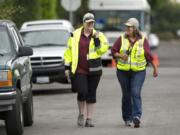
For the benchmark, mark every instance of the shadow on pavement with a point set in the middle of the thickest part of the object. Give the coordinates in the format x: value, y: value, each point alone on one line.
x: 2, y: 128
x: 37, y: 92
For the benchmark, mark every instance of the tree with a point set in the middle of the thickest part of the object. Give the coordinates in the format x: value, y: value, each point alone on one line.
x: 165, y: 17
x: 155, y: 4
x: 46, y: 9
x: 20, y: 11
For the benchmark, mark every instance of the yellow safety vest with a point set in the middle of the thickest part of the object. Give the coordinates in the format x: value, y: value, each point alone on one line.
x: 72, y: 52
x: 136, y: 57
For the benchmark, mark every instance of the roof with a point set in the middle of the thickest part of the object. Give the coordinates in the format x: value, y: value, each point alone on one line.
x: 6, y: 22
x: 46, y: 24
x: 118, y: 5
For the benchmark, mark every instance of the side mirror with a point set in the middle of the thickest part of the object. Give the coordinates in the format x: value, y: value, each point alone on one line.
x: 25, y: 51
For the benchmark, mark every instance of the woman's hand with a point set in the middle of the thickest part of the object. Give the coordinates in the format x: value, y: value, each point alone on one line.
x: 96, y: 34
x: 121, y: 56
x: 155, y: 69
x: 124, y: 57
x: 155, y: 72
x: 67, y: 73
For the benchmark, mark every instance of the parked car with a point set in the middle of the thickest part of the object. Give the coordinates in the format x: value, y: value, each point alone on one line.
x: 48, y: 38
x: 153, y: 41
x: 16, y: 101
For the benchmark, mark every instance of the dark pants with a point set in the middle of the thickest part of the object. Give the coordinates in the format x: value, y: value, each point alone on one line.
x: 131, y: 85
x: 86, y: 86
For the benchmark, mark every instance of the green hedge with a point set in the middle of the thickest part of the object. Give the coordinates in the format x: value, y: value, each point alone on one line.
x: 46, y: 9
x: 166, y: 20
x: 20, y: 11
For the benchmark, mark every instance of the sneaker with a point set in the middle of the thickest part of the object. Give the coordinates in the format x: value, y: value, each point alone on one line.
x: 80, y: 121
x: 136, y: 122
x: 128, y: 123
x: 89, y: 123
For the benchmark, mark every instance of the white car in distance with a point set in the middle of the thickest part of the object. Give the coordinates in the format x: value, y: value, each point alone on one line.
x: 48, y: 39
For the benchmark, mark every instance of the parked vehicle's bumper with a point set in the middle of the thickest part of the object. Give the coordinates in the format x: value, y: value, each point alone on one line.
x: 55, y: 74
x: 7, y: 99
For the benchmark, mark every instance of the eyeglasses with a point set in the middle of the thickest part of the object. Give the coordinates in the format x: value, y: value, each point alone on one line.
x: 128, y: 27
x: 90, y: 23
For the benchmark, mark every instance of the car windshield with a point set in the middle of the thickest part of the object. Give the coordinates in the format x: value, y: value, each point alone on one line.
x: 114, y: 20
x: 46, y: 37
x: 5, y: 43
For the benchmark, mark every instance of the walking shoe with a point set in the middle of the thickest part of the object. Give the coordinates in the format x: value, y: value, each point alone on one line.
x: 128, y: 123
x: 89, y: 123
x: 80, y: 121
x: 136, y: 122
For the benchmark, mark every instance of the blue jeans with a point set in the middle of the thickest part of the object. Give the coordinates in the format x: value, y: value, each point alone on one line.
x: 131, y: 84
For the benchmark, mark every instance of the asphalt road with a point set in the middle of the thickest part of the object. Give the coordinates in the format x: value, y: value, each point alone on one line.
x: 169, y: 53
x: 56, y: 109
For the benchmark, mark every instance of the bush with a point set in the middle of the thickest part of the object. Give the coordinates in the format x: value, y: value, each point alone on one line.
x: 166, y: 35
x: 166, y: 20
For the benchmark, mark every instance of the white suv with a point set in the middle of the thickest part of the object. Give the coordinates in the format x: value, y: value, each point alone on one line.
x: 48, y: 38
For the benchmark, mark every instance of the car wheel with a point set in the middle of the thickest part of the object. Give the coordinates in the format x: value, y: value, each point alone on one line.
x: 14, y: 118
x: 28, y: 110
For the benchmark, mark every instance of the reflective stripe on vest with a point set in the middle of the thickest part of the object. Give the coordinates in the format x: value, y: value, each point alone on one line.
x: 136, y: 59
x: 95, y: 69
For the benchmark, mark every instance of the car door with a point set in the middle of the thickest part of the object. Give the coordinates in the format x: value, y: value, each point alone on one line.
x: 23, y: 63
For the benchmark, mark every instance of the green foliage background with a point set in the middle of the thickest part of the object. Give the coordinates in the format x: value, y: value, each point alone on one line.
x: 25, y: 10
x: 165, y: 15
x: 165, y: 18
